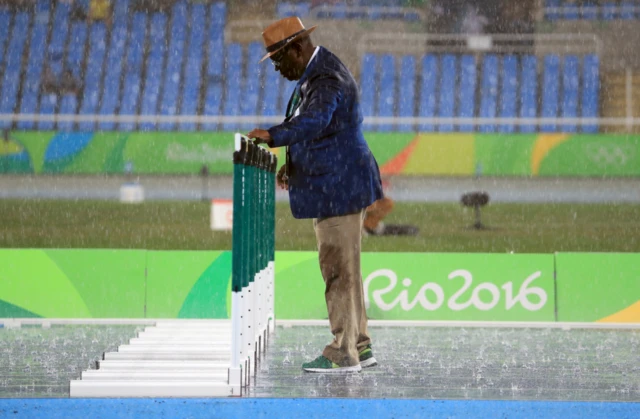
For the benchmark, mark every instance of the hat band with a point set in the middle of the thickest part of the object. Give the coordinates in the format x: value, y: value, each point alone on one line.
x: 282, y: 43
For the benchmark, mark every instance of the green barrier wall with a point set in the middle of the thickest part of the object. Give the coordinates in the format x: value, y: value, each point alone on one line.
x: 598, y: 287
x: 430, y: 286
x: 79, y: 283
x: 434, y: 154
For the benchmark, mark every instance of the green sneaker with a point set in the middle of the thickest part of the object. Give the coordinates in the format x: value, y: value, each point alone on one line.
x: 366, y: 357
x: 322, y: 364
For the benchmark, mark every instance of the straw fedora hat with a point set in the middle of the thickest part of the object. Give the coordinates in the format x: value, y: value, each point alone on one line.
x: 281, y: 33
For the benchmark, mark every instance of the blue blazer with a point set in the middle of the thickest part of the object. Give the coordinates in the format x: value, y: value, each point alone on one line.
x: 330, y: 167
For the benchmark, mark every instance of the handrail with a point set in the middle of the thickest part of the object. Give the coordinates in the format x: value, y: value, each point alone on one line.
x: 420, y: 43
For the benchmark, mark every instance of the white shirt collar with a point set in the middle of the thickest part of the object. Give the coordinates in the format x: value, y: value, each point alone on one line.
x: 315, y: 51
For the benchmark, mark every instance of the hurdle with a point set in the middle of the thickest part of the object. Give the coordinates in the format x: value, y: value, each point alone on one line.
x: 208, y: 357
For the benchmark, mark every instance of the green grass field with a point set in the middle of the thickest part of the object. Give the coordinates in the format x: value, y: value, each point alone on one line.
x: 521, y: 228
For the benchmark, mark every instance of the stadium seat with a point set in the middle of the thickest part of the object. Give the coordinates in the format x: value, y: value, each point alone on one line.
x: 133, y: 68
x: 467, y: 90
x: 627, y: 10
x: 75, y: 49
x: 48, y: 106
x: 31, y: 85
x: 271, y: 90
x: 154, y: 73
x: 446, y: 107
x: 387, y: 90
x: 285, y: 9
x: 509, y: 92
x: 285, y: 88
x: 609, y: 10
x: 570, y: 81
x: 489, y: 91
x: 552, y: 14
x: 590, y: 10
x: 93, y: 74
x: 114, y: 64
x: 550, y: 87
x: 215, y: 63
x: 13, y: 65
x: 233, y: 83
x: 5, y: 24
x: 251, y: 86
x: 571, y: 11
x: 406, y: 99
x: 427, y: 108
x: 68, y: 106
x: 590, y: 90
x: 368, y: 74
x: 193, y: 71
x: 528, y: 91
x: 175, y: 59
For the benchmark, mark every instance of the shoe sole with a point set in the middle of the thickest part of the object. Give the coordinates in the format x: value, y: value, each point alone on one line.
x: 341, y: 370
x: 371, y: 362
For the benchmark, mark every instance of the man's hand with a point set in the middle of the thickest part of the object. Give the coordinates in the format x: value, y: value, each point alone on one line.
x: 261, y: 136
x: 282, y: 179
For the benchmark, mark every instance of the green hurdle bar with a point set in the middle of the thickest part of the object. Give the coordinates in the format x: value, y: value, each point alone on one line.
x: 252, y: 284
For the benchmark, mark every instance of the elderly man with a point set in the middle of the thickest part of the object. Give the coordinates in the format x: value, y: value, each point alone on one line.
x: 331, y: 176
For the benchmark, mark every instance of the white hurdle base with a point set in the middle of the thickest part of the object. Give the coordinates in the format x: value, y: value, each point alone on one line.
x: 171, y: 359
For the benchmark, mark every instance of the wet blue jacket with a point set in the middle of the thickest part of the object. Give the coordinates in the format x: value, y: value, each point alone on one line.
x: 330, y: 167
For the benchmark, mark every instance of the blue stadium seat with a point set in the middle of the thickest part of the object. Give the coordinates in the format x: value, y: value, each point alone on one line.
x: 427, y: 102
x: 154, y: 73
x: 68, y: 106
x: 447, y: 105
x: 627, y: 10
x: 75, y: 46
x: 271, y: 92
x: 58, y: 40
x: 570, y: 85
x: 590, y: 10
x: 175, y: 58
x: 31, y: 86
x: 133, y: 68
x: 285, y: 9
x: 5, y: 22
x: 528, y: 91
x: 113, y: 66
x: 93, y: 75
x: 339, y: 11
x: 252, y: 80
x: 215, y: 64
x: 367, y: 87
x: 302, y: 10
x: 590, y: 90
x: 509, y: 91
x: 609, y: 10
x: 13, y: 65
x: 406, y: 99
x: 552, y: 15
x: 387, y: 90
x: 467, y: 91
x: 233, y: 77
x: 550, y: 87
x: 286, y: 88
x: 193, y: 69
x: 48, y: 106
x: 489, y: 91
x: 571, y: 11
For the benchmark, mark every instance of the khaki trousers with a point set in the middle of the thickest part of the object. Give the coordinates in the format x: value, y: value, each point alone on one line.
x: 339, y: 241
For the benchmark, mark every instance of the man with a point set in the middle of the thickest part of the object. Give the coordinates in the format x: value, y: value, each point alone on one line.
x: 331, y: 176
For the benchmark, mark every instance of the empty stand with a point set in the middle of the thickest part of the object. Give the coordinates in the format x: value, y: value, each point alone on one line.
x: 508, y: 92
x: 406, y: 94
x: 154, y: 69
x: 528, y: 91
x: 131, y: 91
x: 467, y: 91
x: 387, y: 90
x: 550, y: 89
x: 427, y: 104
x: 31, y: 80
x: 93, y: 74
x: 489, y: 91
x: 190, y: 99
x: 13, y: 64
x: 173, y: 74
x: 447, y: 97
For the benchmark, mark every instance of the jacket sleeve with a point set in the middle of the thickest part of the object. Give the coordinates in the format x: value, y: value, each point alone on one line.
x: 323, y: 97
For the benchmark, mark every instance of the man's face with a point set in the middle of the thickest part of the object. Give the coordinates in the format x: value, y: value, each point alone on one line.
x: 288, y: 61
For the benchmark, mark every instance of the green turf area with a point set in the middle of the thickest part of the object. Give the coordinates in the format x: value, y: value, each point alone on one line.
x: 37, y: 362
x: 522, y: 228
